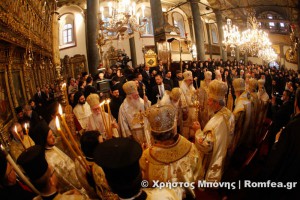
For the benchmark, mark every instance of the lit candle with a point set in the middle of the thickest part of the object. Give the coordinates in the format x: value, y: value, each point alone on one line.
x: 69, y: 133
x: 110, y: 9
x: 19, y: 137
x: 103, y: 117
x: 133, y: 8
x: 26, y: 131
x: 109, y: 117
x: 63, y: 136
x: 64, y: 90
x: 138, y: 18
x: 18, y: 171
x: 102, y: 12
x: 143, y: 10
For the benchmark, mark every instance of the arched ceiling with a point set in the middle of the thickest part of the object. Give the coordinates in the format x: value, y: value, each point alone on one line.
x: 234, y: 9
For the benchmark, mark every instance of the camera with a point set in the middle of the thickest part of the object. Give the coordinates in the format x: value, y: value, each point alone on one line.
x: 124, y: 60
x: 277, y: 98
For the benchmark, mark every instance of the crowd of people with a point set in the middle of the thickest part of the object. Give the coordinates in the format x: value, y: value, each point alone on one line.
x: 181, y: 125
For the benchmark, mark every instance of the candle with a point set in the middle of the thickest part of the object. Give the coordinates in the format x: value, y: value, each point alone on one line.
x: 69, y: 134
x: 133, y: 8
x: 109, y: 117
x: 143, y: 10
x: 102, y: 12
x: 26, y: 131
x: 110, y: 9
x: 63, y: 136
x: 138, y: 18
x: 104, y: 118
x: 148, y: 138
x: 64, y: 90
x: 144, y: 89
x: 19, y: 137
x: 18, y: 171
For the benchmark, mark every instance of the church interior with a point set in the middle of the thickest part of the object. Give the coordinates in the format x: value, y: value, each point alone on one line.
x: 149, y: 99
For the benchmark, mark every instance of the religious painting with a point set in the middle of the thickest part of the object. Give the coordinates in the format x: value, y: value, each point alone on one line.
x: 214, y: 35
x: 151, y: 58
x: 5, y: 110
x: 18, y: 86
x: 276, y: 49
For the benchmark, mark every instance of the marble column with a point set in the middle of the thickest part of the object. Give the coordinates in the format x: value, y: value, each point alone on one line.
x: 133, y: 52
x: 199, y: 29
x: 223, y: 53
x: 158, y: 21
x: 209, y: 40
x: 246, y: 59
x: 237, y: 54
x: 55, y: 53
x: 91, y: 31
x: 192, y: 35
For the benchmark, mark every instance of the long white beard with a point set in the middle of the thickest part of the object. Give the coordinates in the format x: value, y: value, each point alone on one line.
x: 135, y: 103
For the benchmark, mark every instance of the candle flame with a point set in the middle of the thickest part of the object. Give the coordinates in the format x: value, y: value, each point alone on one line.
x: 16, y: 130
x: 108, y: 100
x: 25, y: 126
x: 64, y: 85
x: 102, y: 103
x: 57, y: 123
x: 60, y: 110
x: 2, y: 148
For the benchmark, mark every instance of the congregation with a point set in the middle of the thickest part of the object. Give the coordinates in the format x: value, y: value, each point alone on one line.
x: 197, y: 123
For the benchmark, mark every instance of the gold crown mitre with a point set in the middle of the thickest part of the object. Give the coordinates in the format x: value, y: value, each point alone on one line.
x: 207, y: 75
x: 238, y: 84
x: 130, y: 87
x: 187, y: 75
x: 175, y: 94
x: 161, y: 118
x: 252, y: 84
x: 261, y: 82
x: 217, y: 90
x: 93, y: 100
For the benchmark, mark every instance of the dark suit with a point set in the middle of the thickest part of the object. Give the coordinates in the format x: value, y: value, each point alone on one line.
x: 89, y: 89
x: 176, y: 81
x: 169, y: 82
x: 155, y: 92
x: 283, y: 163
x: 281, y: 116
x: 34, y: 120
x: 115, y: 104
x: 40, y: 100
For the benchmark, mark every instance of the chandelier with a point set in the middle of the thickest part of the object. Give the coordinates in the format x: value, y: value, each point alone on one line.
x: 294, y: 42
x: 120, y: 19
x: 231, y: 36
x: 267, y: 54
x: 253, y: 39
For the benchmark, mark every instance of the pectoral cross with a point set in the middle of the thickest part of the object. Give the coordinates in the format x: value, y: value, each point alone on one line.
x: 158, y: 98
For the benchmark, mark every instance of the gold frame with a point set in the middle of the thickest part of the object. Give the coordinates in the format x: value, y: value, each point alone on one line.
x: 151, y: 58
x: 19, y: 72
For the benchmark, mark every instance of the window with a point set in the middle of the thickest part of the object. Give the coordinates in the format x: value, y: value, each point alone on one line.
x: 149, y: 24
x: 270, y: 16
x: 178, y: 21
x: 68, y: 34
x: 214, y: 35
x: 267, y: 22
x: 67, y: 37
